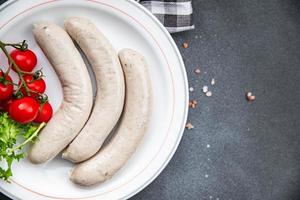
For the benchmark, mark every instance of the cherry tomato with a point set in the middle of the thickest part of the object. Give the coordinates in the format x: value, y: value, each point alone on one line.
x: 45, y: 113
x: 23, y: 110
x: 26, y: 60
x: 34, y: 85
x: 6, y: 89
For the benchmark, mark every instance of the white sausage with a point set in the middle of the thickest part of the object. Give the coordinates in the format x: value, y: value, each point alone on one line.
x: 110, y: 89
x: 132, y: 127
x: 77, y: 90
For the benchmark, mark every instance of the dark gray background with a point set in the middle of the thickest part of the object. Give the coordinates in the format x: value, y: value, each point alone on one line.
x: 246, y: 45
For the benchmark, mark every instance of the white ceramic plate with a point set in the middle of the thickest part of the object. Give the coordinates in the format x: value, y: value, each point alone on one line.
x: 126, y: 24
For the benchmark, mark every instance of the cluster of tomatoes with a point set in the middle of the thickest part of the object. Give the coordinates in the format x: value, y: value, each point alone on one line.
x: 27, y: 103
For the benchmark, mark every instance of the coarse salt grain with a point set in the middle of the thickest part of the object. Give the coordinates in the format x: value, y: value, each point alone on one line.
x: 208, y: 145
x: 208, y: 94
x: 197, y: 71
x: 206, y: 175
x: 205, y: 89
x: 191, y: 89
x: 250, y: 96
x: 185, y: 45
x: 189, y: 126
x: 193, y: 103
x: 213, y: 82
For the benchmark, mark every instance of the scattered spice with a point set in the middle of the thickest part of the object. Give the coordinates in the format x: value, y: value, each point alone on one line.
x: 185, y: 45
x: 189, y: 126
x: 208, y: 94
x: 250, y: 96
x: 213, y: 82
x: 197, y: 71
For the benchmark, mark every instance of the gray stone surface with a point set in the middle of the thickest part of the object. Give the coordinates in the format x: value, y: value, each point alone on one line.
x: 249, y: 45
x: 253, y: 154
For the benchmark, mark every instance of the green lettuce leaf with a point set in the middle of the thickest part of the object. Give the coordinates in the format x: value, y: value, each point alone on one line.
x: 10, y: 151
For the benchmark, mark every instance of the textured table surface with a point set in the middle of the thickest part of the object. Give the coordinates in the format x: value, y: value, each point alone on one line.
x: 239, y: 150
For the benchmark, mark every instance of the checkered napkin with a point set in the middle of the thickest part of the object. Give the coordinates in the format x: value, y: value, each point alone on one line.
x: 175, y: 15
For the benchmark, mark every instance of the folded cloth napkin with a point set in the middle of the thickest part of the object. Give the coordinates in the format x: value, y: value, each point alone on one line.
x: 175, y: 15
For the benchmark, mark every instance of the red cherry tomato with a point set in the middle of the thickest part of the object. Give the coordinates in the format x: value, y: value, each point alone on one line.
x: 23, y: 110
x: 34, y: 85
x: 45, y: 113
x: 6, y: 89
x: 26, y: 60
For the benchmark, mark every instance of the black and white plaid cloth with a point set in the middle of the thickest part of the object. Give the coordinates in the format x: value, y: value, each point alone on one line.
x: 175, y: 15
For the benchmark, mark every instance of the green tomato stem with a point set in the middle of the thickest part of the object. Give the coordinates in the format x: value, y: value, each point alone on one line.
x: 10, y: 82
x: 12, y: 62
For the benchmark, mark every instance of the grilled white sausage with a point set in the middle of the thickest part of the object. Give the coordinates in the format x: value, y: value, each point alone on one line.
x: 132, y: 127
x: 110, y: 85
x: 77, y: 90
